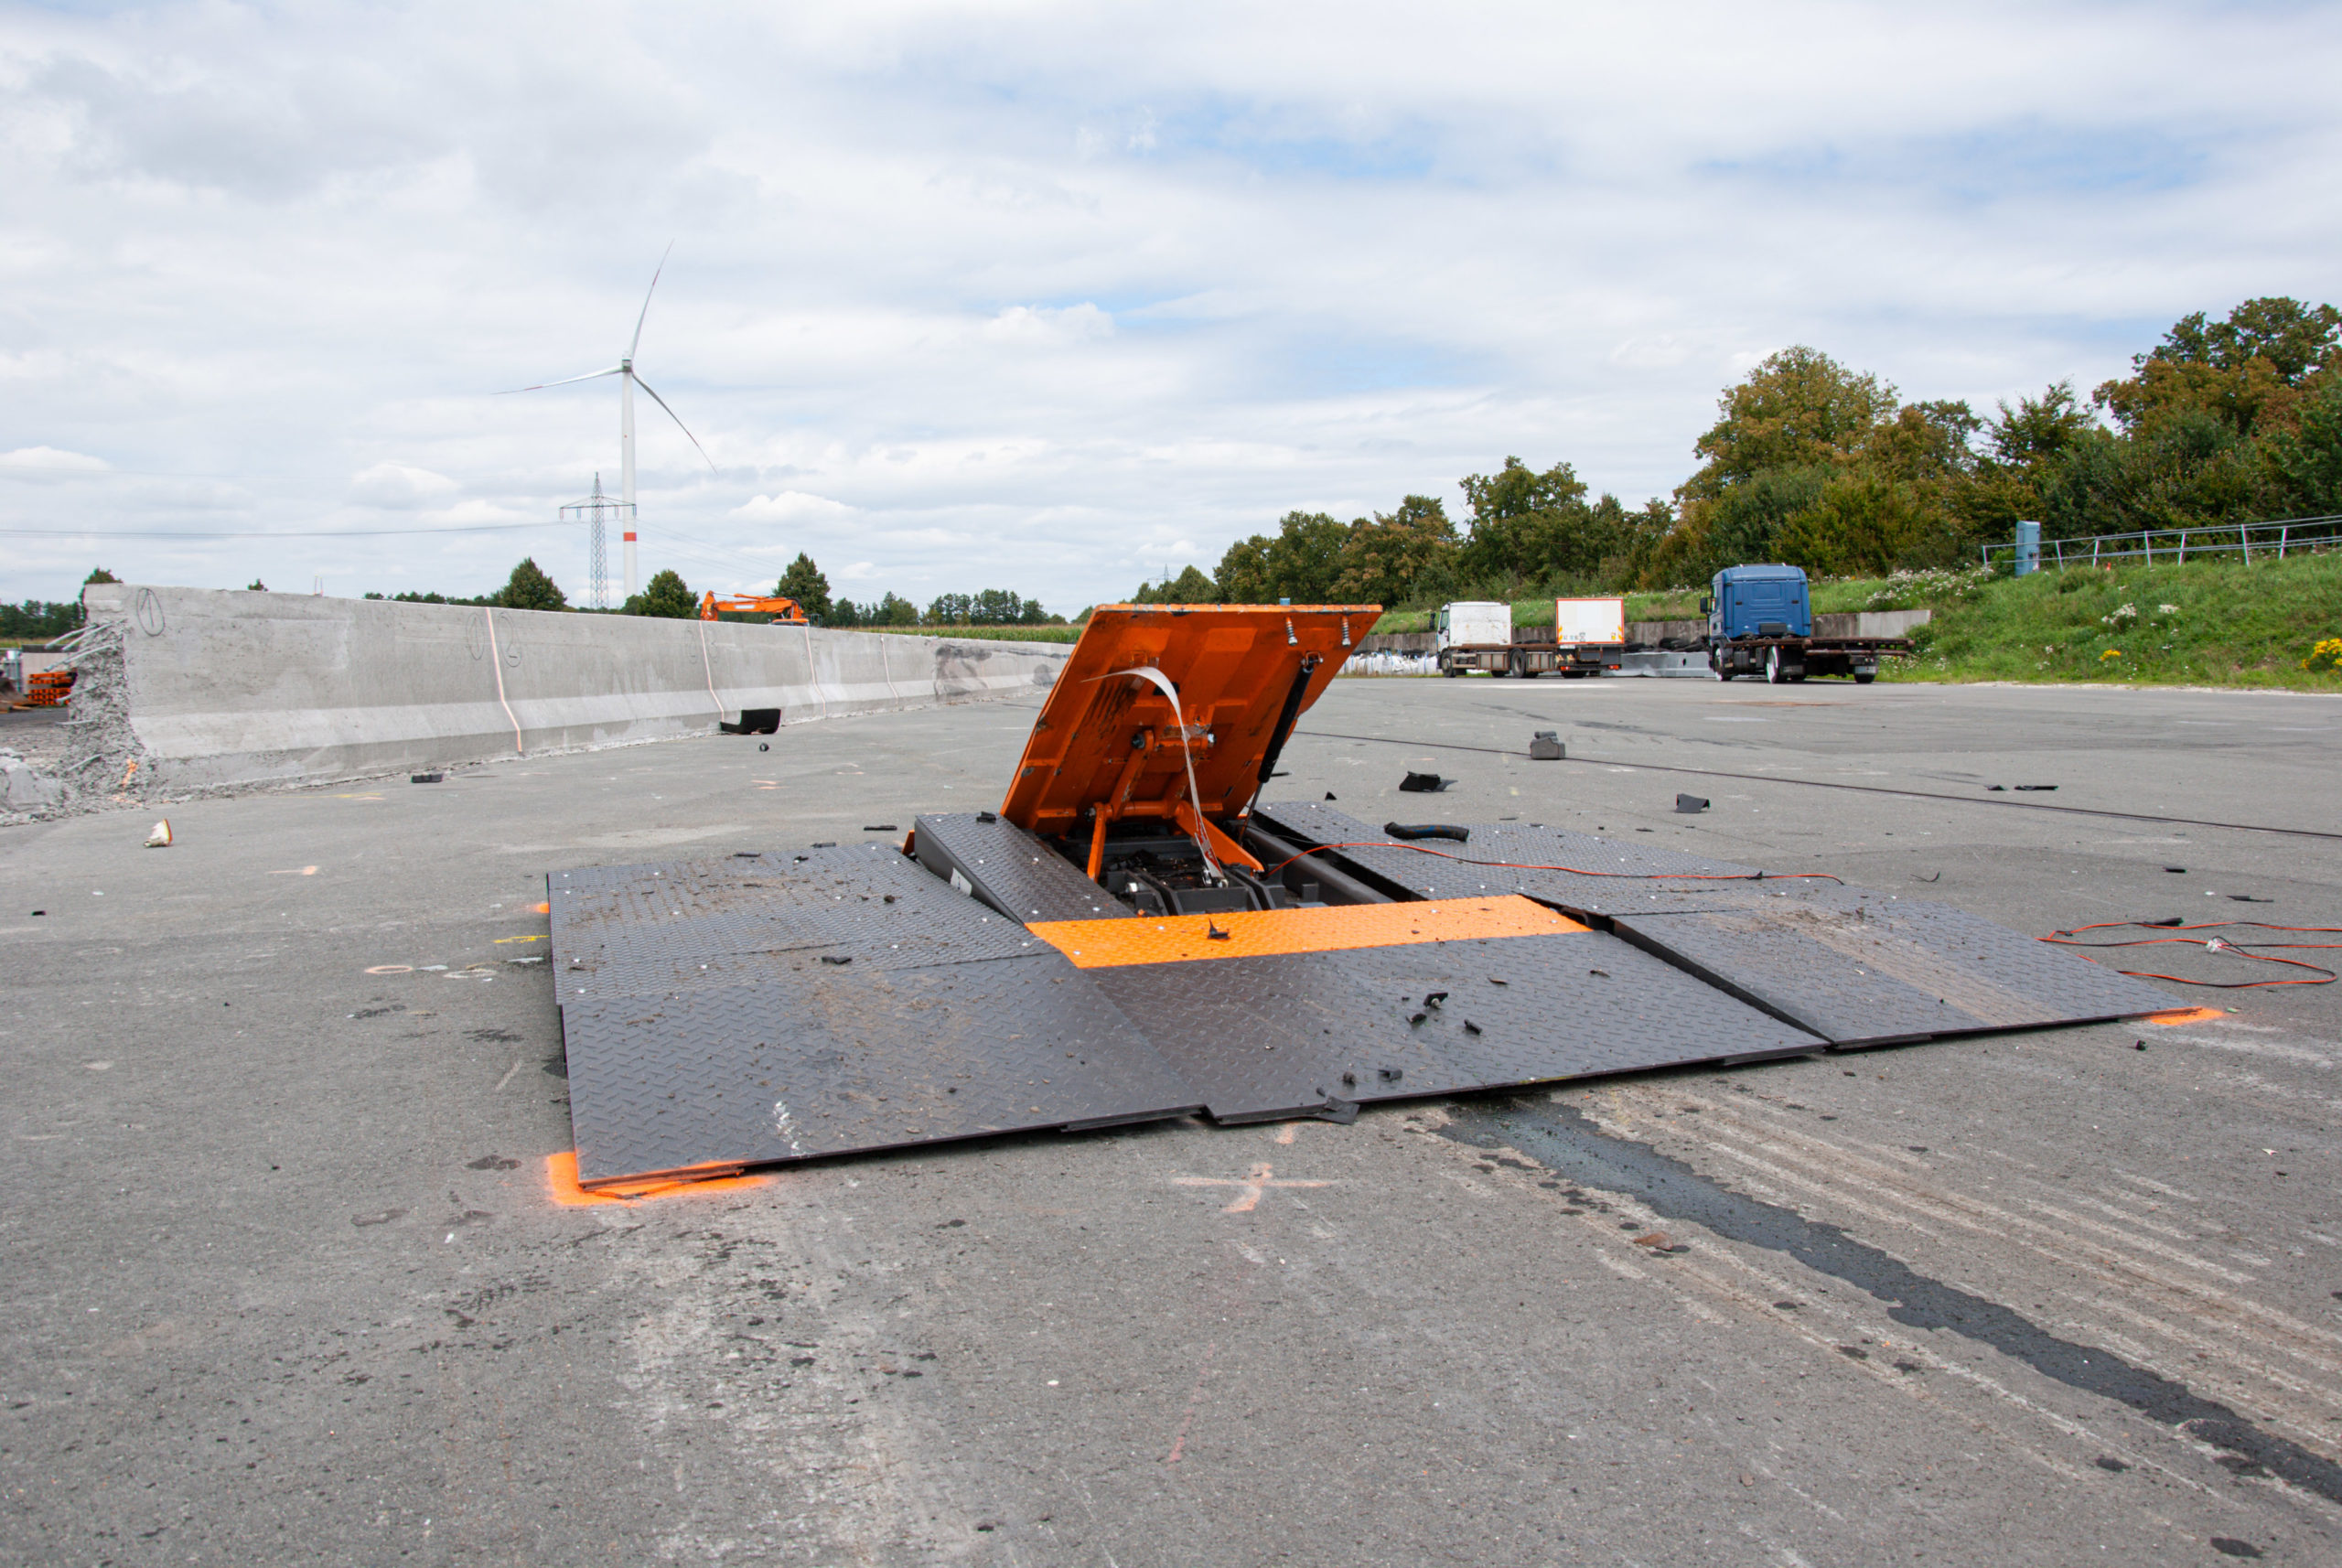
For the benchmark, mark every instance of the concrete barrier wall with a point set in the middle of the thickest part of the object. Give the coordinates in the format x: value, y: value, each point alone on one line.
x: 231, y: 688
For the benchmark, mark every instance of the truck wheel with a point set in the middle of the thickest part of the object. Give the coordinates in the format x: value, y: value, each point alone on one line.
x: 1865, y: 677
x: 1449, y: 671
x: 1773, y: 666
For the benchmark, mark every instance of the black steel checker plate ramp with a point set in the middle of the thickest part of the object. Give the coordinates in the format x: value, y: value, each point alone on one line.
x: 1638, y: 883
x: 1891, y: 970
x: 668, y: 919
x: 1011, y: 869
x: 839, y: 1060
x: 1280, y: 1036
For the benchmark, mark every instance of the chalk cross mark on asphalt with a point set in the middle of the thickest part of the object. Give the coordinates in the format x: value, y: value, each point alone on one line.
x: 1249, y: 1187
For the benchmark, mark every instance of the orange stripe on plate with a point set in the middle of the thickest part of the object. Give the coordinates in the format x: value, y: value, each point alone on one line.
x: 1188, y: 939
x: 561, y: 1183
x: 2185, y: 1015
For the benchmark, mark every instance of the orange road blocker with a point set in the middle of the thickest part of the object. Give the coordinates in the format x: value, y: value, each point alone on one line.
x: 1133, y: 935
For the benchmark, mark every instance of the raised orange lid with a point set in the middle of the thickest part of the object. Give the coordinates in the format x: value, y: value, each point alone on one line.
x: 1109, y: 739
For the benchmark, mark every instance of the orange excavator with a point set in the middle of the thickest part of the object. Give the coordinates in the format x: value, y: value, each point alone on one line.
x: 784, y: 612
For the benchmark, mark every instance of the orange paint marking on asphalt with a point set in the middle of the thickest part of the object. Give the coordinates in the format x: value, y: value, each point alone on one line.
x: 2185, y: 1015
x: 1286, y: 1134
x: 1180, y: 1444
x: 1249, y: 1187
x: 561, y: 1184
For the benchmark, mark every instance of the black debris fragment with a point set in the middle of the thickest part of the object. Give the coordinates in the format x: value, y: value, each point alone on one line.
x: 1470, y: 1027
x: 1435, y: 999
x: 1329, y: 794
x: 2039, y: 788
x: 1545, y: 746
x: 1423, y: 784
x: 837, y: 958
x: 427, y: 777
x: 1688, y: 804
x: 1428, y: 831
x: 2176, y: 870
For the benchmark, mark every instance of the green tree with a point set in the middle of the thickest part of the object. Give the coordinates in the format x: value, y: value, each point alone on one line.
x: 99, y: 574
x: 256, y: 586
x: 1797, y: 409
x: 1299, y: 564
x: 1527, y: 526
x: 666, y: 594
x: 1864, y: 523
x: 1388, y: 559
x: 895, y: 610
x: 2250, y: 372
x: 845, y: 612
x: 1189, y: 587
x: 530, y: 589
x: 996, y: 607
x: 2307, y: 461
x: 804, y: 583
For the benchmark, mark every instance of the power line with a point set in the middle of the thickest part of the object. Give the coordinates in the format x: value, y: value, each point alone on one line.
x: 294, y: 534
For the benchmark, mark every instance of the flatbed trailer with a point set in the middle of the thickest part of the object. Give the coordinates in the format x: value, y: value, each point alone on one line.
x: 1792, y: 658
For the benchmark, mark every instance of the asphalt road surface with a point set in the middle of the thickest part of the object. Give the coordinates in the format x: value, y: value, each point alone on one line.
x: 283, y: 1281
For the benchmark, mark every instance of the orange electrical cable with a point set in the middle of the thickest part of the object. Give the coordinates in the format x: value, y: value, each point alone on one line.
x: 2215, y: 945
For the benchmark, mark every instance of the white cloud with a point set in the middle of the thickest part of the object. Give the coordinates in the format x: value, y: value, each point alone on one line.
x: 790, y: 505
x: 38, y: 463
x: 1044, y: 327
x: 1041, y: 297
x: 398, y: 486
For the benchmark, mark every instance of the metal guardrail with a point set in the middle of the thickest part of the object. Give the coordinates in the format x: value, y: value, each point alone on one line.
x: 2275, y: 538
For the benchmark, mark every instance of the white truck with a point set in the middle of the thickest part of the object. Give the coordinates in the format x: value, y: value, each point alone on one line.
x: 1473, y: 635
x: 1589, y: 636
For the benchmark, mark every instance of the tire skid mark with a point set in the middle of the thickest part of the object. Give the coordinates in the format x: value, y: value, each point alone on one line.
x: 1573, y: 1146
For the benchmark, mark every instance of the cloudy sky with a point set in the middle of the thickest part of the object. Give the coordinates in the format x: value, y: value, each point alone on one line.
x: 1053, y: 297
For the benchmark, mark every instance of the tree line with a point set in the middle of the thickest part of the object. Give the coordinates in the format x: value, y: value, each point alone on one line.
x: 667, y: 594
x: 1816, y: 465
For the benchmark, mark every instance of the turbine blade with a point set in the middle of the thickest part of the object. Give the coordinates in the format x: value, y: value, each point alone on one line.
x: 588, y: 376
x: 679, y: 422
x: 647, y: 293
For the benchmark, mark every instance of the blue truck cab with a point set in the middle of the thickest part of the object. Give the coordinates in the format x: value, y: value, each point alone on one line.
x: 1758, y: 601
x: 1760, y: 623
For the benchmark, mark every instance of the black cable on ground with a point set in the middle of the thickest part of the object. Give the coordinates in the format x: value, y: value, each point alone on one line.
x: 1574, y: 871
x: 1858, y: 789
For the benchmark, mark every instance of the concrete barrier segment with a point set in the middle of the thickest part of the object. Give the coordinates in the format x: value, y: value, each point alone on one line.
x: 224, y: 688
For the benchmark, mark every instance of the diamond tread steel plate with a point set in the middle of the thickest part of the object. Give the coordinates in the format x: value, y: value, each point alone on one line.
x: 1635, y: 878
x: 840, y: 1060
x: 1861, y: 973
x: 1264, y: 1038
x: 657, y: 927
x: 1011, y: 869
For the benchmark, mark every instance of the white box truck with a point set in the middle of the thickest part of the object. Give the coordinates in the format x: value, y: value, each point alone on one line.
x: 1473, y: 635
x: 1589, y: 636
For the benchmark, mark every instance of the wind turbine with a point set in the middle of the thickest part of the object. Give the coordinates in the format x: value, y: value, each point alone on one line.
x: 628, y: 381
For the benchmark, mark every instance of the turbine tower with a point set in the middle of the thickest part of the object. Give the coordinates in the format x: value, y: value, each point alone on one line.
x: 628, y: 381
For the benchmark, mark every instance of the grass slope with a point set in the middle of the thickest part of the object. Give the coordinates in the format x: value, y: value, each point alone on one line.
x: 2213, y: 623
